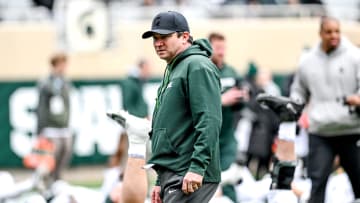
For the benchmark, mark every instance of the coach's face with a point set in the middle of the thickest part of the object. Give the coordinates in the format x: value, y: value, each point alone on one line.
x: 330, y: 34
x: 169, y: 46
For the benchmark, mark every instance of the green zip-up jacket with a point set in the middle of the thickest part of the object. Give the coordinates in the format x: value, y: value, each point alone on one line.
x: 187, y: 117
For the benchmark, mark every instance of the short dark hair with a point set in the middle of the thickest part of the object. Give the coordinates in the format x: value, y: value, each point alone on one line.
x: 190, y: 40
x: 215, y: 36
x: 58, y: 58
x: 325, y: 19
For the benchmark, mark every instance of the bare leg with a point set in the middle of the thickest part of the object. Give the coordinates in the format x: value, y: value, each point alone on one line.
x: 134, y: 188
x: 135, y: 181
x: 283, y: 170
x: 285, y: 150
x: 288, y: 112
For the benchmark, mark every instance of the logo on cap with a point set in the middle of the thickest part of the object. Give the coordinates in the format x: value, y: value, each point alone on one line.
x: 157, y: 21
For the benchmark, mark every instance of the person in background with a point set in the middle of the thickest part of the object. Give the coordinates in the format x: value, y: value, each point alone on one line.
x: 264, y: 81
x: 333, y: 128
x: 53, y: 112
x: 133, y: 88
x: 231, y: 96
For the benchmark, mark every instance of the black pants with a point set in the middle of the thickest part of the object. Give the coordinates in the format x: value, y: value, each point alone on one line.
x: 171, y: 192
x: 322, y: 152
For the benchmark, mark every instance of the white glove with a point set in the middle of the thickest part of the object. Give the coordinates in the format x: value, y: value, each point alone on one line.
x: 137, y: 129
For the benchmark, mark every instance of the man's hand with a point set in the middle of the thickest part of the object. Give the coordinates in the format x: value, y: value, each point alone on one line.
x: 353, y: 100
x: 191, y: 182
x: 234, y: 95
x: 155, y: 195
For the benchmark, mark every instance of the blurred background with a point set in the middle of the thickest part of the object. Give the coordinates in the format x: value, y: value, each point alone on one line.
x: 102, y: 39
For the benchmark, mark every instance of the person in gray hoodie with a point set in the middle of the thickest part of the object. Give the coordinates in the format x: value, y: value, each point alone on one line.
x: 327, y: 75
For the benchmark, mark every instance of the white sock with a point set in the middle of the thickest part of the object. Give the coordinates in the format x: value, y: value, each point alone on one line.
x: 287, y: 131
x: 137, y: 150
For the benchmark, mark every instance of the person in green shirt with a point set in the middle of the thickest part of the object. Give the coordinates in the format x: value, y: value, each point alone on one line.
x: 132, y: 89
x: 231, y: 96
x: 187, y: 116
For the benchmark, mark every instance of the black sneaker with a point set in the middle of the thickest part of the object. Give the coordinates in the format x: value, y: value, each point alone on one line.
x: 282, y: 174
x: 284, y: 107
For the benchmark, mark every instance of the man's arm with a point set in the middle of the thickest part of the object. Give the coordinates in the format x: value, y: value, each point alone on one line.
x: 299, y: 89
x: 233, y: 96
x: 354, y: 99
x: 41, y: 109
x: 205, y: 104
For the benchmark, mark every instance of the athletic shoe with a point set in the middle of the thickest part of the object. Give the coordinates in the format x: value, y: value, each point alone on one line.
x: 284, y: 107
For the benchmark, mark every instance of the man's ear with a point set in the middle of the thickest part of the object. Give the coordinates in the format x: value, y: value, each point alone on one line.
x: 186, y: 36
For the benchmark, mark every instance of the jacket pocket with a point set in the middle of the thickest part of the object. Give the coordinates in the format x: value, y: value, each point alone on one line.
x: 161, y: 143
